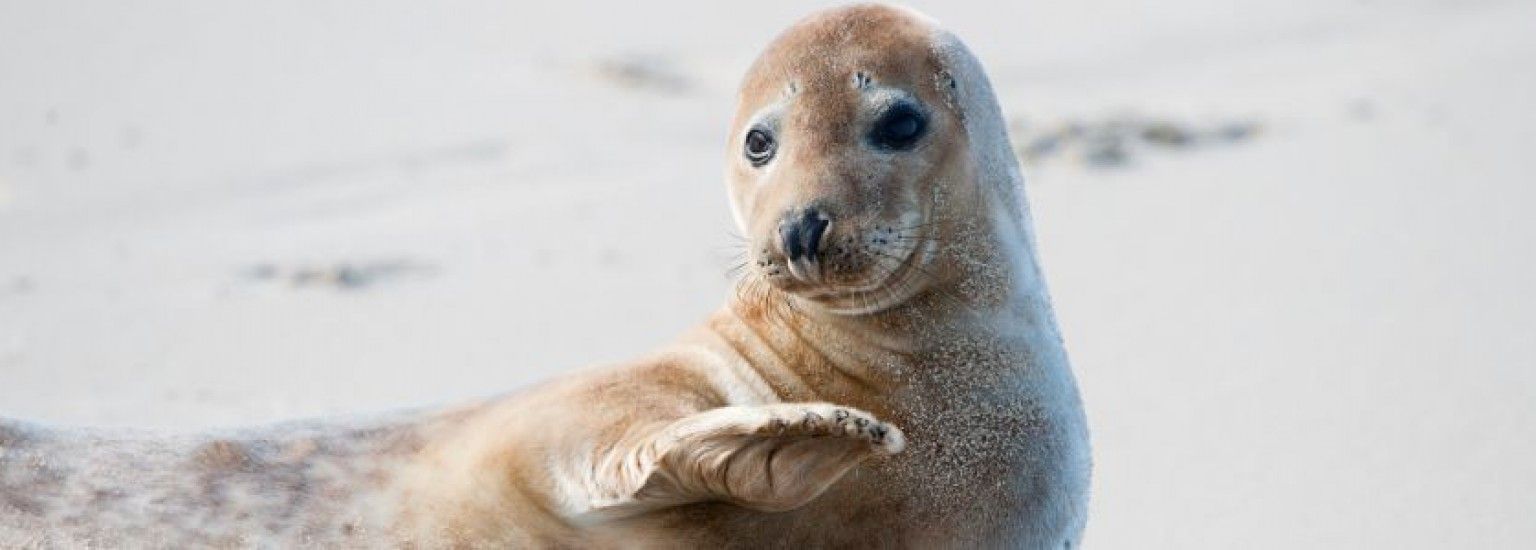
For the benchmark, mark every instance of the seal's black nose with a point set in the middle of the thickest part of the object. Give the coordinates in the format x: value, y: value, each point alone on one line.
x: 801, y: 234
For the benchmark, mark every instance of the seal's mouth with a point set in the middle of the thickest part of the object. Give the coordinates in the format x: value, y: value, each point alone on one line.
x: 899, y: 278
x: 858, y: 271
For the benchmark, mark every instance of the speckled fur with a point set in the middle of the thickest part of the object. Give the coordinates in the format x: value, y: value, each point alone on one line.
x: 312, y: 484
x: 915, y: 394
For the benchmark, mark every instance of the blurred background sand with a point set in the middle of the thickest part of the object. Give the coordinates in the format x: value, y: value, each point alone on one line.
x: 1289, y: 241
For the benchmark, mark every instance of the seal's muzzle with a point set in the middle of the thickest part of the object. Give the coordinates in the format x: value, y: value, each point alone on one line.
x: 800, y: 235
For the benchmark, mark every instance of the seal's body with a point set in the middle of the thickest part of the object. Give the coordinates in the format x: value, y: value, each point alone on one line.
x: 889, y: 372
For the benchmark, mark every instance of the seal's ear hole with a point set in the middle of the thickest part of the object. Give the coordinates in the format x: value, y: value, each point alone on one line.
x: 947, y: 81
x: 861, y: 80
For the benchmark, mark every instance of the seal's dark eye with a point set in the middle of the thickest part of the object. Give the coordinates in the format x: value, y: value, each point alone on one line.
x: 899, y: 128
x: 759, y: 147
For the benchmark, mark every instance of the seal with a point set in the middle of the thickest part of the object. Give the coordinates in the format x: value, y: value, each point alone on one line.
x: 888, y: 373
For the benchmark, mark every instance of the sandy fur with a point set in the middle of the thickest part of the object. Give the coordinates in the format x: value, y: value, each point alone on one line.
x: 935, y: 410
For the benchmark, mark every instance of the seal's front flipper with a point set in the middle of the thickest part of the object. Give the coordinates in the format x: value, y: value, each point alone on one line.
x: 769, y: 458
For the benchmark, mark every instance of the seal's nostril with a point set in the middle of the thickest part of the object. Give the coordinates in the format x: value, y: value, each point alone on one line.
x: 801, y: 235
x: 789, y: 237
x: 815, y: 225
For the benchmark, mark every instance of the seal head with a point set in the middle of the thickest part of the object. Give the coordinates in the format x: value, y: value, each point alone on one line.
x: 847, y: 137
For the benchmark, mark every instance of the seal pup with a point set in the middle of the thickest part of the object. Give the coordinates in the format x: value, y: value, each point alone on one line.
x: 888, y: 374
